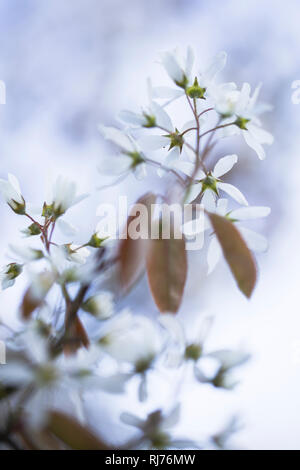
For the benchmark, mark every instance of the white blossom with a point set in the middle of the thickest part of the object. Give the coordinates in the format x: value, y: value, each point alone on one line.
x: 130, y: 157
x: 47, y: 376
x: 247, y: 113
x: 11, y: 193
x: 26, y: 254
x: 179, y: 69
x: 133, y: 339
x: 9, y: 273
x: 207, y: 77
x: 64, y: 195
x: 210, y: 184
x: 100, y: 305
x: 254, y: 241
x: 155, y: 430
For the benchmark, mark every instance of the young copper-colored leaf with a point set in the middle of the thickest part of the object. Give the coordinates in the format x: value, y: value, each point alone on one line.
x: 236, y: 253
x: 29, y: 304
x: 76, y: 338
x: 72, y: 433
x: 167, y: 270
x: 32, y: 300
x: 132, y: 253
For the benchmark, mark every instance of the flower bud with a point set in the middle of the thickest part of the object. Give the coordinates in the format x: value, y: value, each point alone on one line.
x: 96, y: 241
x: 101, y: 305
x: 195, y: 91
x: 9, y: 273
x: 32, y: 230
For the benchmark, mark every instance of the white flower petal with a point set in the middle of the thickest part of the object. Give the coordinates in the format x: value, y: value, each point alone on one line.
x: 15, y: 373
x: 131, y: 420
x: 140, y: 171
x: 194, y: 191
x: 153, y: 142
x: 112, y: 384
x: 209, y: 200
x: 254, y: 144
x: 243, y: 100
x: 254, y: 241
x: 224, y: 165
x: 262, y: 136
x: 172, y: 419
x: 66, y: 228
x: 15, y: 183
x: 168, y: 93
x: 248, y: 213
x: 230, y: 359
x: 233, y: 192
x: 132, y: 118
x: 162, y: 117
x: 213, y: 254
x: 222, y: 206
x: 117, y: 137
x: 172, y: 66
x: 115, y: 165
x: 216, y: 65
x: 174, y: 328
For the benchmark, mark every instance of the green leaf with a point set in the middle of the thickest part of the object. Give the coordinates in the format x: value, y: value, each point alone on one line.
x: 167, y: 271
x: 72, y: 433
x: 236, y: 253
x: 132, y: 252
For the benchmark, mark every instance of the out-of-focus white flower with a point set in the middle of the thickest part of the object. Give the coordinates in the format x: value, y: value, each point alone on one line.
x: 9, y: 273
x: 32, y: 230
x: 180, y: 349
x: 100, y: 305
x: 47, y: 376
x: 220, y: 439
x: 155, y: 430
x: 77, y: 254
x: 129, y: 159
x: 70, y: 264
x: 179, y: 69
x: 214, y: 367
x: 64, y: 195
x: 66, y: 228
x: 210, y: 184
x: 217, y: 366
x: 225, y: 98
x: 134, y: 340
x: 26, y: 254
x: 247, y: 112
x: 255, y: 242
x: 154, y: 116
x: 181, y: 73
x: 171, y: 139
x: 207, y: 77
x: 11, y: 192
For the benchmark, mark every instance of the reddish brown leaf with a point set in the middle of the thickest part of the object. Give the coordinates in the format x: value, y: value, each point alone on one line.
x: 72, y: 433
x: 236, y: 253
x: 29, y: 304
x: 31, y: 300
x: 76, y: 338
x: 132, y: 253
x: 167, y: 270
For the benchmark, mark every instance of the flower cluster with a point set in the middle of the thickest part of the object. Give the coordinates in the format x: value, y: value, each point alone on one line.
x: 74, y: 334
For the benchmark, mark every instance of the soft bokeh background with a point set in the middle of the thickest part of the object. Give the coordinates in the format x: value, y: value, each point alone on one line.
x: 69, y: 65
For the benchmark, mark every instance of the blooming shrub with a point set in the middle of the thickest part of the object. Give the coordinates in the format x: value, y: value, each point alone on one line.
x: 55, y: 352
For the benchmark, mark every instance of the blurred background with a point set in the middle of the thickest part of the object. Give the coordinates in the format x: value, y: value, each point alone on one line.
x: 70, y: 65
